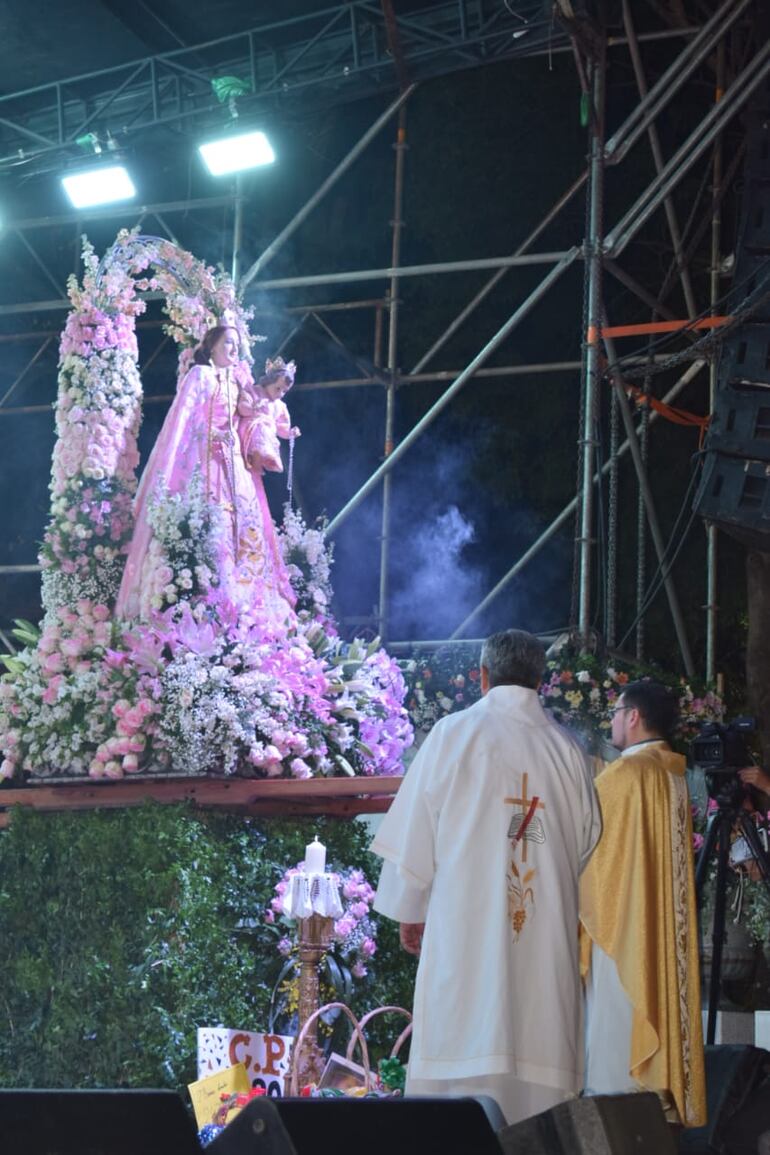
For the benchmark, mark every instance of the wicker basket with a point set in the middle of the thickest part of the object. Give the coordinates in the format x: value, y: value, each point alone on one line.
x: 357, y: 1038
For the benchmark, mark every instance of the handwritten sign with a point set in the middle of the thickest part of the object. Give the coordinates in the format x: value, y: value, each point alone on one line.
x: 266, y: 1058
x: 206, y: 1094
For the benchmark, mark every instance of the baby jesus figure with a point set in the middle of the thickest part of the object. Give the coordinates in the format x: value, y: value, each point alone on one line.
x: 264, y: 417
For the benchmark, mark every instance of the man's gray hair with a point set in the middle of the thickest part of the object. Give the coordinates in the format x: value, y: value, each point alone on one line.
x: 513, y: 658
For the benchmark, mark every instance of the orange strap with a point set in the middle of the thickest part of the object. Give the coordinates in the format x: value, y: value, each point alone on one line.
x: 656, y: 327
x: 670, y: 412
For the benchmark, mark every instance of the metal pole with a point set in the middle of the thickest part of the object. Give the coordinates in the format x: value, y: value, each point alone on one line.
x: 693, y: 54
x: 321, y: 192
x: 689, y: 152
x: 83, y: 216
x: 592, y: 372
x: 652, y: 518
x: 568, y: 511
x: 390, y: 395
x: 461, y: 317
x: 712, y: 543
x: 657, y: 156
x: 414, y: 270
x: 349, y: 382
x: 455, y: 387
x: 237, y: 228
x: 377, y: 351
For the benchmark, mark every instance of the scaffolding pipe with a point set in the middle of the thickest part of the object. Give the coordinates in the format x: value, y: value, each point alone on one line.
x: 516, y: 317
x: 348, y: 382
x: 569, y: 509
x: 414, y: 270
x: 693, y: 54
x: 652, y: 517
x: 592, y: 370
x: 237, y: 229
x: 689, y: 152
x: 392, y: 367
x: 657, y: 156
x: 277, y: 244
x: 463, y: 316
x: 712, y: 541
x: 119, y: 211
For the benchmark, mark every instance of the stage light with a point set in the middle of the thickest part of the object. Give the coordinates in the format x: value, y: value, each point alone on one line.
x: 98, y: 186
x: 236, y: 153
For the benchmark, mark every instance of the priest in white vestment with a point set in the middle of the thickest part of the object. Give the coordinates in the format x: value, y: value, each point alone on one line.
x: 484, y: 843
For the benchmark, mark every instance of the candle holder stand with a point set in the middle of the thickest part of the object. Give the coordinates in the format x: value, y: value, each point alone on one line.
x: 314, y: 939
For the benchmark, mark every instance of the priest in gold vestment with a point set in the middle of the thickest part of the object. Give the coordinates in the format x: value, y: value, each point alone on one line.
x: 638, y: 919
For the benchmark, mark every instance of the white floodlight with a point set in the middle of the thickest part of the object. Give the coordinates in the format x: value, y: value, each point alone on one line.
x: 236, y: 153
x: 98, y: 186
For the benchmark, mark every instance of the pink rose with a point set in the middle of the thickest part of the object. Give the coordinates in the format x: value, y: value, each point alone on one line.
x: 53, y: 663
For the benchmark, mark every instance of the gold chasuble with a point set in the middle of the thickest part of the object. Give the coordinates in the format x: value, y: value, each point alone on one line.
x: 637, y: 903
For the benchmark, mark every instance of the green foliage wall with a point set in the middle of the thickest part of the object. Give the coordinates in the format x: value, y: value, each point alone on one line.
x: 123, y: 931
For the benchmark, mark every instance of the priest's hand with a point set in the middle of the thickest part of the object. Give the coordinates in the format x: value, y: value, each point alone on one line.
x: 410, y: 935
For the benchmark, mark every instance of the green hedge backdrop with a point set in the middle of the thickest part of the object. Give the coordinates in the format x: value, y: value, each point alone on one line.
x: 122, y: 931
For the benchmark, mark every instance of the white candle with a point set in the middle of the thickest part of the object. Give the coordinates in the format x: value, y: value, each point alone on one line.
x: 315, y: 857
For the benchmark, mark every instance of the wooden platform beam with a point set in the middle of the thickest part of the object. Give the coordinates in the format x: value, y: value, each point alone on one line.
x: 336, y: 797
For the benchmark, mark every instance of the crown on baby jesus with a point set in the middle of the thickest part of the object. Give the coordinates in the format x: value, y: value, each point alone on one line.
x: 277, y: 367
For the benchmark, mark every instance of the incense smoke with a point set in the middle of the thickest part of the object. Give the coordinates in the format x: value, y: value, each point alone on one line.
x: 434, y: 588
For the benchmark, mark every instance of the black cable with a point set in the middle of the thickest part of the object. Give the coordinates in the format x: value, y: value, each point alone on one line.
x: 665, y: 565
x: 739, y: 313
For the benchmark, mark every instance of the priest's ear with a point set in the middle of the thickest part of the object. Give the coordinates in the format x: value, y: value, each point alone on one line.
x: 484, y: 680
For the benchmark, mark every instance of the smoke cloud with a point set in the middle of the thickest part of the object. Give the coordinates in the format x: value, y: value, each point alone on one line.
x: 434, y: 586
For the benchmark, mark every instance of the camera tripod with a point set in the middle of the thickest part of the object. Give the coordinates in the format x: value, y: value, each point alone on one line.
x: 729, y: 794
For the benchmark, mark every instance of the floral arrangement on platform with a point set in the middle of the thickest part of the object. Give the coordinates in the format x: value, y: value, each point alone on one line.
x: 579, y: 689
x: 354, y: 942
x: 190, y: 689
x: 195, y: 695
x: 442, y: 683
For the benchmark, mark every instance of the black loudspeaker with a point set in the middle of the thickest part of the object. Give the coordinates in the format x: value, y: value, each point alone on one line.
x: 734, y: 493
x: 734, y: 489
x: 738, y: 1094
x: 599, y: 1125
x: 57, y: 1122
x: 411, y: 1126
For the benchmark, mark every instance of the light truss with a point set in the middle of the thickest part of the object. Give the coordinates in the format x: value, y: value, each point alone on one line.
x: 339, y: 54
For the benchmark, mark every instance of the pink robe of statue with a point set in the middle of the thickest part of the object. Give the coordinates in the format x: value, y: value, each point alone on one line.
x: 200, y: 433
x: 262, y: 422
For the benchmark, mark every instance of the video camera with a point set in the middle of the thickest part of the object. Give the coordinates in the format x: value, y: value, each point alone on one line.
x: 720, y: 750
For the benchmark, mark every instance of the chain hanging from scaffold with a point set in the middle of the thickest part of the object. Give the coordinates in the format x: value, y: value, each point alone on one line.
x: 611, y: 608
x: 641, y: 520
x: 290, y: 472
x: 709, y: 344
x: 586, y: 438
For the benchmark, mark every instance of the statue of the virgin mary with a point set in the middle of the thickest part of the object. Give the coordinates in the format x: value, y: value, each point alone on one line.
x: 199, y: 446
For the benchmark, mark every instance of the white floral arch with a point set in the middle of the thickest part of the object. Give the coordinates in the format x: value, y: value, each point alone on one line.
x: 98, y: 407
